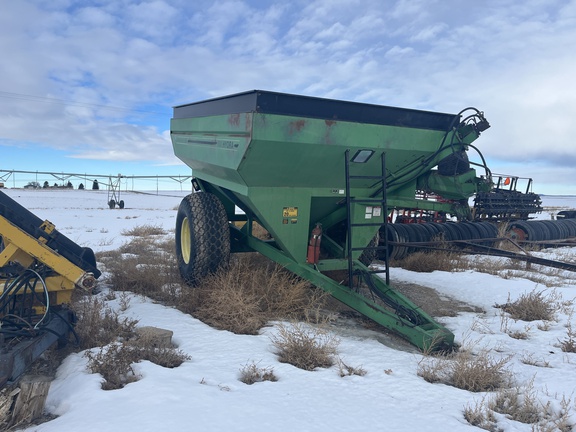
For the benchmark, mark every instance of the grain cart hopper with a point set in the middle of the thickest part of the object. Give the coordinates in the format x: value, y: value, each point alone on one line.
x: 39, y: 269
x: 318, y: 175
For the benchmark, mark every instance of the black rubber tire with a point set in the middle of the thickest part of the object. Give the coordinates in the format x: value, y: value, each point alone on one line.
x: 413, y: 236
x: 533, y: 235
x: 485, y: 233
x: 401, y: 251
x: 431, y: 230
x: 521, y: 231
x: 490, y: 232
x: 121, y: 204
x: 541, y: 231
x: 423, y: 233
x: 475, y: 232
x: 554, y: 229
x: 112, y: 204
x: 452, y: 231
x: 370, y: 255
x: 441, y: 231
x: 562, y: 228
x: 468, y: 233
x: 202, y: 237
x: 491, y: 228
x: 392, y: 236
x: 569, y: 227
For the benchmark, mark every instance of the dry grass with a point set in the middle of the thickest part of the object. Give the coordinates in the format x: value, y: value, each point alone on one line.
x: 249, y: 293
x: 241, y: 299
x: 533, y: 306
x: 115, y: 344
x: 251, y: 373
x: 98, y: 325
x: 260, y: 232
x: 479, y: 372
x: 426, y: 262
x: 453, y: 260
x: 521, y: 404
x: 304, y: 346
x: 143, y: 266
x: 144, y: 231
x: 345, y: 370
x: 475, y: 372
x: 528, y: 358
x: 480, y: 415
x: 513, y: 333
x: 114, y: 361
x: 568, y: 344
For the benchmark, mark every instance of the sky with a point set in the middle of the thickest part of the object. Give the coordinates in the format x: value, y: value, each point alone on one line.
x: 89, y: 86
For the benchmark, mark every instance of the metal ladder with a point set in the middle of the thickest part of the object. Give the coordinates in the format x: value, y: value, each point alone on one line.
x: 373, y: 200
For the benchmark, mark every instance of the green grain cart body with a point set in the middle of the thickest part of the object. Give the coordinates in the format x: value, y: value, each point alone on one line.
x: 292, y: 162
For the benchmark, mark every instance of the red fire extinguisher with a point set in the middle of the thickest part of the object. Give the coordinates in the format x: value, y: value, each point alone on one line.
x: 314, y: 245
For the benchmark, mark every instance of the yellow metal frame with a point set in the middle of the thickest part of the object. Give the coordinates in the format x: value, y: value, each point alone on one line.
x: 21, y: 247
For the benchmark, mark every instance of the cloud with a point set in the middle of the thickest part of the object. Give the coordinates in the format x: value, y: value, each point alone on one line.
x: 510, y: 59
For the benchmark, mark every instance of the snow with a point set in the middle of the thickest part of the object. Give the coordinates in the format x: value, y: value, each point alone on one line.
x: 204, y: 393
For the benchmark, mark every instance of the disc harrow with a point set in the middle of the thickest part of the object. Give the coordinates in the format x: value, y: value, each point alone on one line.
x: 505, y: 202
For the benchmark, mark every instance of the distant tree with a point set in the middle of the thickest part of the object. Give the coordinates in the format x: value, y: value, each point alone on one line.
x: 55, y: 185
x: 69, y: 185
x: 95, y: 185
x: 46, y: 185
x: 81, y: 186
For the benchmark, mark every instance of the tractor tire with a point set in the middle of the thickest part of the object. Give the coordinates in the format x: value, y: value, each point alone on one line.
x: 111, y: 204
x: 121, y: 204
x: 202, y: 237
x: 369, y: 255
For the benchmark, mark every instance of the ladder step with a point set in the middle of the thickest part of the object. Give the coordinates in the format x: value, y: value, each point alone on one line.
x: 373, y: 177
x: 367, y: 224
x: 367, y: 200
x: 377, y: 271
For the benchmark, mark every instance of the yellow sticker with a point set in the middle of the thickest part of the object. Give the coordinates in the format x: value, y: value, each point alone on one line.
x: 290, y: 212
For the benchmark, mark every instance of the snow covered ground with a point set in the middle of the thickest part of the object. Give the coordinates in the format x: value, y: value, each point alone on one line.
x: 204, y: 393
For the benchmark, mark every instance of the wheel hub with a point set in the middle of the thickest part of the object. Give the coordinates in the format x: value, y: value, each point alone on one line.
x: 185, y: 240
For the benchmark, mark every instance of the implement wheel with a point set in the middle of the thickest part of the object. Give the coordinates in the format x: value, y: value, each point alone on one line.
x: 369, y: 255
x: 202, y: 236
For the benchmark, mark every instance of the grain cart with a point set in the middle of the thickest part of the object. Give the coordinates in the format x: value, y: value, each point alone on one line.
x: 319, y: 175
x: 39, y: 270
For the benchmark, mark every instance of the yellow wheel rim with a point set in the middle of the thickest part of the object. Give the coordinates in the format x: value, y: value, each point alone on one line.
x: 185, y: 243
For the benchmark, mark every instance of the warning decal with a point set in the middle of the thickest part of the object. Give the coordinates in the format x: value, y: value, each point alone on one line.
x: 290, y: 212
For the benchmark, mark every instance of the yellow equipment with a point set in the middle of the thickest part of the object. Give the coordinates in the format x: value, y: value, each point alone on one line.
x: 39, y: 270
